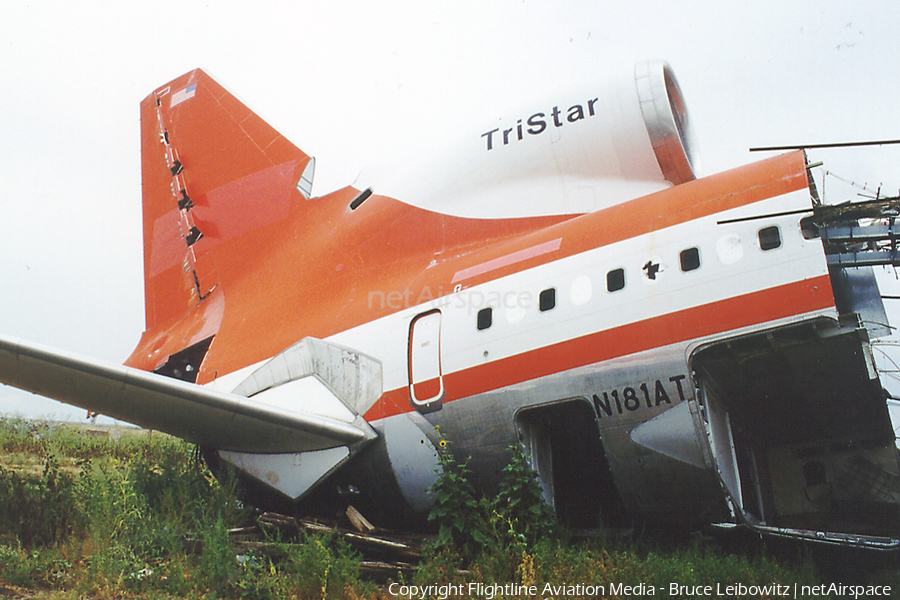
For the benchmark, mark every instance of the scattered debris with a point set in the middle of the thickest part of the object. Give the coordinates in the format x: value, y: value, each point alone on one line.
x: 359, y: 521
x: 385, y: 554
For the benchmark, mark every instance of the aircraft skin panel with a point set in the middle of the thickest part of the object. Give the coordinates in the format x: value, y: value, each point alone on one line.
x: 291, y: 474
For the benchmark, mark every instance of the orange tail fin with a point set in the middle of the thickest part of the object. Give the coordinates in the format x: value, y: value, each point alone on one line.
x: 213, y: 172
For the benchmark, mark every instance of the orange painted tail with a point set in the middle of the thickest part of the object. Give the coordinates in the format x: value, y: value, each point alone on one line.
x: 215, y: 176
x: 237, y: 257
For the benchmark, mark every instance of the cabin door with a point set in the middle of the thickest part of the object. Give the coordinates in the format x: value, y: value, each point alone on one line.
x: 563, y: 444
x: 426, y: 381
x: 721, y: 439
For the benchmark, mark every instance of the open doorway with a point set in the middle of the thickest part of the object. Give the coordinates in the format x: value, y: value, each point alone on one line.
x: 799, y: 430
x: 562, y: 441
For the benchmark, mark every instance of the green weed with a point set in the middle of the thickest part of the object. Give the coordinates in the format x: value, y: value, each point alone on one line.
x: 143, y: 519
x: 37, y: 509
x: 470, y: 524
x: 460, y: 515
x: 524, y: 517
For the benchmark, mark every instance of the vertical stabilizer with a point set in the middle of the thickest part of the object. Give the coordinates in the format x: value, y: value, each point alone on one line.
x: 215, y: 176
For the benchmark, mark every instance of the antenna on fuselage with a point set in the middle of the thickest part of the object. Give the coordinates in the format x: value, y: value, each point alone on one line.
x: 831, y: 145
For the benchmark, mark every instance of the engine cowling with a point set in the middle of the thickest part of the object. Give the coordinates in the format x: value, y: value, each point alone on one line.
x: 578, y: 150
x: 666, y: 117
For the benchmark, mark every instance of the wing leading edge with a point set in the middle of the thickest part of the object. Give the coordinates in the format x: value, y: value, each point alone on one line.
x: 198, y: 414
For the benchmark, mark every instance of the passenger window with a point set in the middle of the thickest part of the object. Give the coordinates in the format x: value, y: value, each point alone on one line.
x: 615, y: 280
x: 690, y: 259
x: 547, y: 299
x: 769, y: 238
x: 485, y: 318
x: 581, y: 290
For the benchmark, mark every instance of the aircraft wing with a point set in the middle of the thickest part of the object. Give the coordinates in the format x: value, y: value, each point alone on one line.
x: 192, y: 412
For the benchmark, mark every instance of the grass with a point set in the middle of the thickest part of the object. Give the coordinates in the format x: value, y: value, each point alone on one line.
x: 85, y: 516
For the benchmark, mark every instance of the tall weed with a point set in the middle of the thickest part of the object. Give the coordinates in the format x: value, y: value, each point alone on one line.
x: 117, y: 525
x: 37, y: 509
x: 470, y: 524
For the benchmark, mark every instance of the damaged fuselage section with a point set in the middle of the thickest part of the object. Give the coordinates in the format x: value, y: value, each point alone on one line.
x: 797, y: 419
x: 799, y: 430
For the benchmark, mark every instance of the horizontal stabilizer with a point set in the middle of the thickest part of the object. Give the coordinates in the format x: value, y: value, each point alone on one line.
x: 197, y: 414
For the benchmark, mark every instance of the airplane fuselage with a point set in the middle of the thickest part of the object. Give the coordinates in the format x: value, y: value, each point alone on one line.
x: 584, y: 342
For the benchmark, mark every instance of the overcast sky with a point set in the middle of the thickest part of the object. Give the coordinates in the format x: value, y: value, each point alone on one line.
x: 351, y: 81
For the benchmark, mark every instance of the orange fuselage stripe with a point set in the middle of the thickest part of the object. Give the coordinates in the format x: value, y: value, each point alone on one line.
x: 801, y: 297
